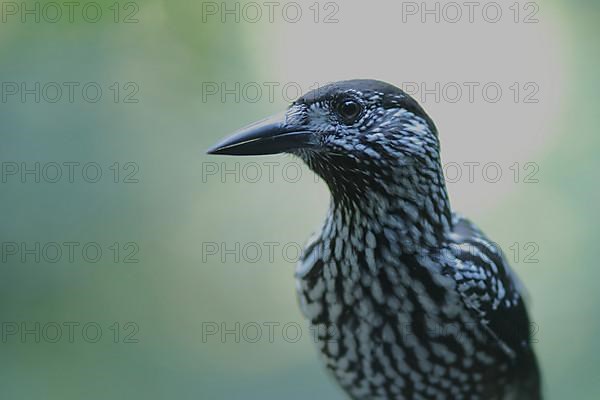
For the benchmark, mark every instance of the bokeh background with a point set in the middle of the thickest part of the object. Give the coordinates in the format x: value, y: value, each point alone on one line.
x: 170, y: 206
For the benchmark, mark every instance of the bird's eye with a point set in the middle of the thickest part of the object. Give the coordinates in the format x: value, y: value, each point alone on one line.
x: 349, y: 110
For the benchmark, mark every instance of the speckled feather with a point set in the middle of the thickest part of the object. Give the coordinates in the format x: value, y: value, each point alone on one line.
x: 410, y: 301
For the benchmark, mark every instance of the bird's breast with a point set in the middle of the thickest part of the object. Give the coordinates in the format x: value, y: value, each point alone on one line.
x: 390, y: 329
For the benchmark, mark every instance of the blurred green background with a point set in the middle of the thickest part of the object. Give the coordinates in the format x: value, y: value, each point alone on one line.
x: 169, y: 204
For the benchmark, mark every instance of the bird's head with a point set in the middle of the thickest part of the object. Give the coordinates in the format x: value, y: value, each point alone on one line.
x: 355, y: 134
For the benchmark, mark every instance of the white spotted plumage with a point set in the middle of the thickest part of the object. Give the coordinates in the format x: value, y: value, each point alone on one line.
x: 416, y: 301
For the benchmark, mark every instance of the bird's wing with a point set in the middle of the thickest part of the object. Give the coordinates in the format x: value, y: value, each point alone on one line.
x: 488, y: 287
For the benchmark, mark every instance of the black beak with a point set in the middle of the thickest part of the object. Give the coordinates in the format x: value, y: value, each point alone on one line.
x: 269, y: 136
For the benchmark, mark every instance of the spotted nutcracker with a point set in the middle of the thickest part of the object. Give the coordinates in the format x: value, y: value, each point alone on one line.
x: 410, y: 300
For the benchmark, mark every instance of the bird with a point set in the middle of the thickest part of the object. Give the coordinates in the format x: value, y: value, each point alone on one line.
x: 409, y: 299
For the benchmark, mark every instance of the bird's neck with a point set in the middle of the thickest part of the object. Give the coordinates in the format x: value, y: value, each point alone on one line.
x: 411, y: 211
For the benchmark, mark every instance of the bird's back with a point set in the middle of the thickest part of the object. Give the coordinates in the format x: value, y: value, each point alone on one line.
x: 496, y: 295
